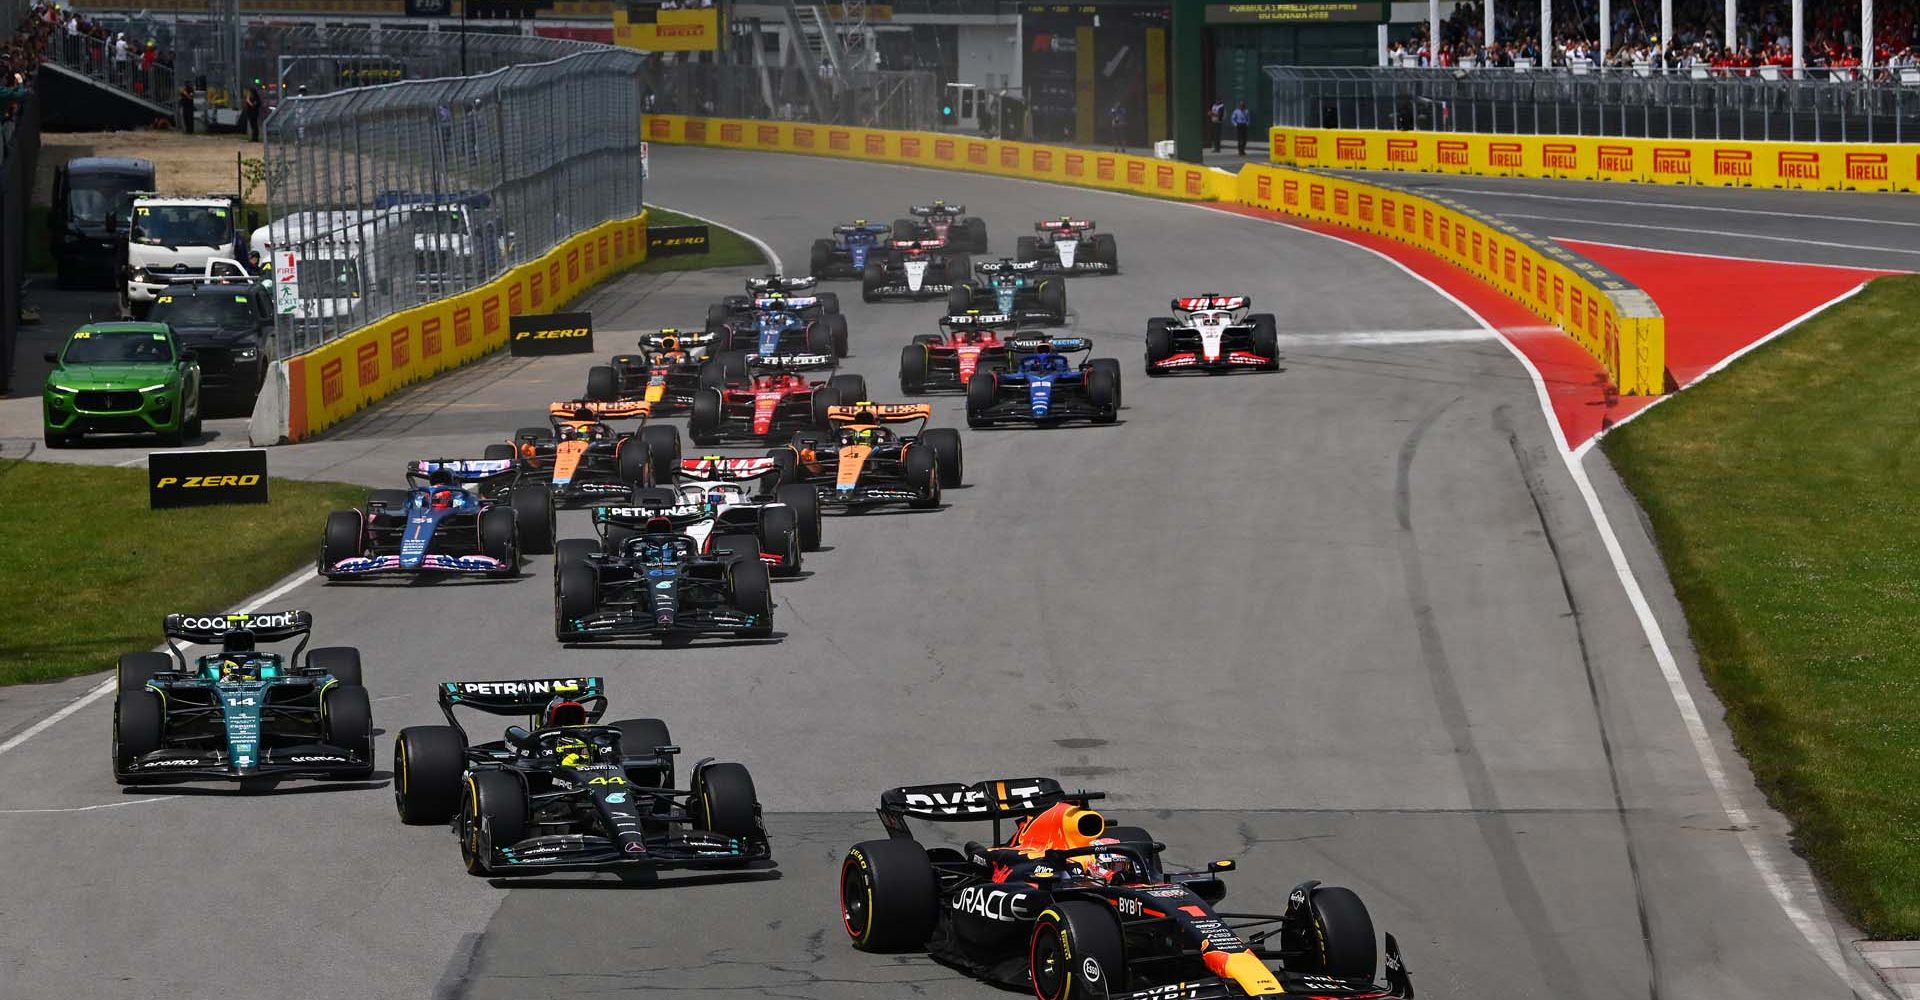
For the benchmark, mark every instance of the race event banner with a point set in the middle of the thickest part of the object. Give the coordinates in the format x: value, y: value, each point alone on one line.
x: 203, y: 478
x: 668, y: 241
x: 646, y: 26
x: 551, y: 333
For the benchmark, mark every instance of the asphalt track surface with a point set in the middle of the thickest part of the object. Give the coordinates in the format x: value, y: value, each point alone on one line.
x: 1349, y: 622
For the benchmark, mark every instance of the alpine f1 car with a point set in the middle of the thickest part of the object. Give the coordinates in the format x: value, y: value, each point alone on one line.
x: 845, y: 255
x: 585, y: 459
x: 941, y: 221
x: 917, y: 269
x: 665, y: 373
x: 946, y: 360
x: 658, y: 582
x: 242, y: 712
x: 1012, y: 288
x: 1043, y: 387
x: 1069, y: 246
x: 775, y: 285
x: 567, y: 792
x: 1212, y: 333
x: 772, y: 397
x: 862, y: 463
x: 778, y: 324
x: 1070, y: 905
x: 453, y: 517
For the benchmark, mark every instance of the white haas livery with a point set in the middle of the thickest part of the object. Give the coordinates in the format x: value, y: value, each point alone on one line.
x: 713, y: 502
x: 1212, y: 333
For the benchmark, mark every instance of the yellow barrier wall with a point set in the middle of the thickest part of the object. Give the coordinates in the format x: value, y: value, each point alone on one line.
x: 331, y: 382
x: 1813, y: 166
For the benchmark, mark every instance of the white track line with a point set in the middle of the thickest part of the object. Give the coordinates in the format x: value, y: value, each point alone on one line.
x: 82, y: 809
x: 1677, y: 206
x: 1797, y: 241
x: 1721, y: 256
x: 778, y: 267
x: 1384, y: 338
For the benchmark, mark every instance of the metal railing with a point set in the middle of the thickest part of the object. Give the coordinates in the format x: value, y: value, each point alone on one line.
x: 1630, y: 102
x: 396, y: 195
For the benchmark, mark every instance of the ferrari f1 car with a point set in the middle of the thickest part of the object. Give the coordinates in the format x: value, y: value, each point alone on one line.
x: 567, y: 792
x: 1012, y: 288
x: 665, y: 373
x: 241, y: 712
x: 862, y: 463
x: 846, y: 253
x: 1069, y: 246
x: 946, y: 360
x: 778, y: 324
x: 917, y: 269
x: 658, y: 581
x: 1212, y: 333
x: 1041, y: 386
x: 772, y: 396
x: 941, y: 221
x: 1070, y: 905
x: 454, y: 517
x: 585, y: 459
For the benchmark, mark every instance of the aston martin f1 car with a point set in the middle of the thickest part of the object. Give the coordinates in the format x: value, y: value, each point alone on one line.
x: 845, y: 255
x: 862, y: 463
x: 568, y: 792
x: 1012, y: 288
x: 585, y: 459
x: 242, y: 712
x: 946, y: 360
x: 1069, y: 246
x: 917, y: 269
x: 1041, y: 386
x: 665, y: 373
x: 772, y: 396
x: 778, y: 324
x: 1070, y: 905
x: 453, y: 517
x: 657, y: 582
x: 1212, y: 333
x: 941, y: 221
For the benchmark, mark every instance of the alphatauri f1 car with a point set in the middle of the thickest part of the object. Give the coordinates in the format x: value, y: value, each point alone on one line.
x: 1041, y: 386
x: 917, y: 269
x: 1212, y: 333
x: 461, y: 516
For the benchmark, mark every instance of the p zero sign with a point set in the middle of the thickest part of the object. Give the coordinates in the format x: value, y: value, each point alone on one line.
x: 550, y: 333
x: 668, y: 241
x: 205, y: 478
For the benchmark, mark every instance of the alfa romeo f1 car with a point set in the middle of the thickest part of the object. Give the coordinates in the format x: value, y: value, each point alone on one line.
x: 845, y: 255
x: 658, y: 582
x: 665, y: 373
x: 585, y: 459
x: 453, y: 517
x: 771, y: 397
x: 862, y: 463
x: 777, y: 324
x: 567, y: 792
x: 946, y: 360
x: 242, y: 712
x: 917, y: 269
x: 1069, y: 246
x: 1041, y: 386
x: 1070, y: 905
x: 1212, y: 333
x: 941, y: 221
x: 1012, y: 288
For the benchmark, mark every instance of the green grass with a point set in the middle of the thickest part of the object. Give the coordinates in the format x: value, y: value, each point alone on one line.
x: 1785, y: 494
x: 87, y: 571
x: 725, y: 248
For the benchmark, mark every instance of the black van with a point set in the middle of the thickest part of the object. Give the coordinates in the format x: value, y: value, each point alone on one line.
x: 92, y: 197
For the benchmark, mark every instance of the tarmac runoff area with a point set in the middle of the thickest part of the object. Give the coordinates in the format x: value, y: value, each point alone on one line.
x: 1355, y: 622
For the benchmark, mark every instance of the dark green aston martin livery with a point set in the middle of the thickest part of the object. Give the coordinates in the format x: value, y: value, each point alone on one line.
x: 122, y: 378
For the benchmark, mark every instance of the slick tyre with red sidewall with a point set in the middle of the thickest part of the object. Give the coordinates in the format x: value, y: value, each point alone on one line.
x: 888, y: 895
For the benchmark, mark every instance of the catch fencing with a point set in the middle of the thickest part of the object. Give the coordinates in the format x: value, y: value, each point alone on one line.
x: 896, y: 99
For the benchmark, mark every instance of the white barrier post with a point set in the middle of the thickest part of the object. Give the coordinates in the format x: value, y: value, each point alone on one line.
x: 1606, y: 33
x: 1866, y: 39
x: 1666, y: 32
x: 1546, y: 34
x: 1487, y: 29
x: 1727, y: 42
x: 1799, y: 49
x: 1433, y: 34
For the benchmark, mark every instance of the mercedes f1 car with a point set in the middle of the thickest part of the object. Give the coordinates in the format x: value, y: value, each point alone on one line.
x: 1041, y: 386
x: 1212, y: 333
x: 946, y: 360
x: 1070, y: 905
x: 568, y: 792
x: 665, y: 373
x: 777, y: 324
x: 454, y: 517
x: 941, y: 221
x: 658, y: 582
x: 772, y: 396
x: 846, y: 253
x: 917, y: 269
x: 1012, y: 288
x: 1069, y: 246
x: 242, y: 712
x: 862, y: 463
x: 585, y: 459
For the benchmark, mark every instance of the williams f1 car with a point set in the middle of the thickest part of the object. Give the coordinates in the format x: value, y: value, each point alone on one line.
x: 917, y: 269
x: 1012, y: 288
x: 1041, y: 386
x: 941, y: 221
x: 946, y: 360
x: 1069, y: 246
x: 665, y: 373
x: 845, y: 255
x: 656, y: 581
x: 454, y: 517
x: 771, y: 397
x: 1070, y: 905
x: 568, y: 792
x: 585, y: 459
x: 862, y: 463
x: 1212, y: 333
x: 242, y: 712
x: 777, y: 324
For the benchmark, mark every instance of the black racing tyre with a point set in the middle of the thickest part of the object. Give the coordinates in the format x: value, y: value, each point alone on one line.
x: 342, y: 539
x: 1106, y: 250
x: 829, y: 302
x: 630, y: 462
x: 921, y: 471
x: 872, y: 277
x: 342, y: 663
x: 428, y: 762
x: 139, y: 728
x: 1026, y: 248
x: 1053, y: 297
x: 913, y: 369
x: 727, y: 366
x: 787, y: 462
x: 639, y: 738
x: 532, y: 505
x: 576, y: 591
x: 569, y: 551
x: 780, y: 535
x: 136, y: 669
x: 753, y: 593
x: 1159, y: 344
x: 959, y: 299
x: 1113, y: 366
x: 945, y: 442
x: 825, y: 399
x: 717, y: 315
x: 662, y: 443
x: 889, y: 895
x: 744, y: 547
x: 820, y: 257
x: 959, y: 268
x: 852, y: 388
x: 498, y: 453
x: 703, y: 418
x: 493, y: 815
x: 348, y: 712
x: 906, y: 229
x: 603, y: 383
x: 837, y: 335
x: 806, y: 510
x: 982, y: 390
x: 1076, y: 951
x: 724, y: 801
x: 1266, y: 340
x: 976, y: 230
x: 1103, y: 391
x: 1338, y: 937
x: 819, y: 338
x: 499, y: 537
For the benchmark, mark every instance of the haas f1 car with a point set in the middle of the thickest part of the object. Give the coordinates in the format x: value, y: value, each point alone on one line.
x: 941, y: 221
x: 772, y: 396
x: 454, y: 517
x: 1069, y: 905
x: 715, y: 506
x: 946, y: 360
x: 665, y: 374
x: 1042, y: 387
x: 242, y: 712
x: 1012, y: 288
x: 584, y: 459
x: 862, y: 463
x: 916, y: 269
x: 845, y: 255
x: 1069, y: 246
x: 568, y: 792
x: 656, y: 580
x: 1212, y: 333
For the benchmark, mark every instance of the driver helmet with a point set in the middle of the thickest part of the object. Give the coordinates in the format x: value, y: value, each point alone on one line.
x: 765, y: 381
x: 669, y: 342
x: 1107, y: 866
x: 239, y: 666
x: 564, y: 712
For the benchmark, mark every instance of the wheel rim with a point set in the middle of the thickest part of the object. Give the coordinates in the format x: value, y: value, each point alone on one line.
x: 1048, y: 962
x: 400, y: 773
x: 856, y: 903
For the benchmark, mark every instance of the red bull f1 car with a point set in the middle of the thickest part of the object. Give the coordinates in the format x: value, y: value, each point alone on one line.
x: 665, y: 374
x: 1212, y: 333
x: 862, y: 463
x: 584, y: 459
x: 1069, y: 246
x: 1041, y: 386
x: 941, y: 221
x: 772, y: 396
x: 1069, y: 905
x: 456, y: 516
x: 944, y: 361
x: 916, y: 269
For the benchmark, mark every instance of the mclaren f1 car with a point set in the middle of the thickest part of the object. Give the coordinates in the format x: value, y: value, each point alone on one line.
x: 862, y: 462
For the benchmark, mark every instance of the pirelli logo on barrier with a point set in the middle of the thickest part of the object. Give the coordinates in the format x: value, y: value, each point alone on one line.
x: 367, y: 359
x: 661, y: 129
x: 205, y: 477
x: 731, y: 132
x: 1350, y: 149
x: 1798, y: 166
x: 1163, y: 176
x: 1076, y: 164
x: 1043, y: 161
x: 516, y: 304
x: 463, y: 324
x: 333, y: 381
x: 697, y: 132
x: 672, y: 241
x: 977, y: 153
x: 399, y: 347
x: 876, y: 144
x: 1505, y: 155
x: 1733, y: 163
x: 767, y: 135
x: 802, y: 137
x: 1612, y: 159
x: 1560, y: 156
x: 1450, y: 152
x: 1404, y: 152
x: 943, y: 150
x: 1103, y: 168
x: 1671, y: 161
x: 429, y: 338
x: 1196, y: 184
x: 910, y: 147
x: 1136, y: 173
x: 1306, y: 147
x: 552, y: 333
x: 1009, y: 157
x: 839, y: 140
x: 1869, y: 166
